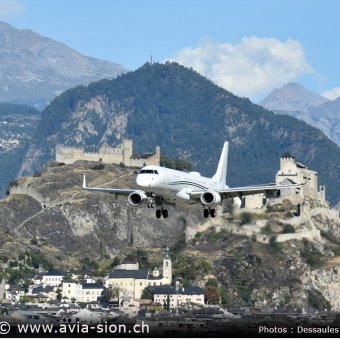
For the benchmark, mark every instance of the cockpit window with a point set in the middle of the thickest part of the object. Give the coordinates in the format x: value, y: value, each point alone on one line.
x: 149, y: 172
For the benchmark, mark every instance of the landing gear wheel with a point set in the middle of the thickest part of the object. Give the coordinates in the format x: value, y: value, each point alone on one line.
x: 158, y: 213
x: 206, y: 213
x: 165, y: 213
x: 212, y: 212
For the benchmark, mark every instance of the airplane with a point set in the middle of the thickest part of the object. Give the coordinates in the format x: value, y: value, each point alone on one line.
x: 162, y: 186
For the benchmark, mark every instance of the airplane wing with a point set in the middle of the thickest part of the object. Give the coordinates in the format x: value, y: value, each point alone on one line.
x: 248, y: 190
x: 125, y: 192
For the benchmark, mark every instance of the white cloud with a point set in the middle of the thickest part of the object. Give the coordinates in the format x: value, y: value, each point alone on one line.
x: 251, y: 68
x: 332, y: 93
x: 9, y: 8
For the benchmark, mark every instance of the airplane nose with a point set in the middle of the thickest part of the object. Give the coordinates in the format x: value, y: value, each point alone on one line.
x: 142, y: 181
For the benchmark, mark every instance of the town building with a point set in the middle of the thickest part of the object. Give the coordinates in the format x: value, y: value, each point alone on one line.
x: 134, y: 281
x: 14, y: 293
x: 122, y: 154
x: 52, y: 278
x: 128, y: 265
x: 81, y: 291
x: 172, y: 298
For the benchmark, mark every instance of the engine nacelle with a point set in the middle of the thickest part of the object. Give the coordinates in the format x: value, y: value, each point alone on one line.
x: 211, y: 198
x: 137, y: 198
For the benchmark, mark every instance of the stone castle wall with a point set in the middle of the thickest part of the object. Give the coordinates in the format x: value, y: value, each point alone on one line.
x: 123, y: 153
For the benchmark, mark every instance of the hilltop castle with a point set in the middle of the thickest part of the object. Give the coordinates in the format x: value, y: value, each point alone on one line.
x: 292, y: 172
x: 122, y: 154
x: 295, y: 172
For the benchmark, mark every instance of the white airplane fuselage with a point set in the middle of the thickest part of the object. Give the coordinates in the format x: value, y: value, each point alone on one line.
x: 174, y: 185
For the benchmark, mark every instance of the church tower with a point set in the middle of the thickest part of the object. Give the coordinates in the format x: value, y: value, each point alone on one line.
x: 167, y: 268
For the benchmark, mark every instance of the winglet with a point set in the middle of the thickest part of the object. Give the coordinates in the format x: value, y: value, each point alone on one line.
x: 84, y: 182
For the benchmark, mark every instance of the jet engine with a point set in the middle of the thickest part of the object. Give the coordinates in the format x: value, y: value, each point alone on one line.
x: 137, y: 198
x: 211, y: 198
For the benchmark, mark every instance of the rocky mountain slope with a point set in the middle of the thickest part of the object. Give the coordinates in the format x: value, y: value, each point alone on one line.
x: 190, y: 118
x: 295, y: 100
x: 52, y: 208
x: 34, y: 69
x: 260, y: 258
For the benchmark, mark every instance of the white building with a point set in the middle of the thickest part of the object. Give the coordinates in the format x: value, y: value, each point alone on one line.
x: 82, y: 291
x: 185, y: 295
x: 53, y: 278
x: 128, y: 265
x: 135, y: 281
x: 14, y: 293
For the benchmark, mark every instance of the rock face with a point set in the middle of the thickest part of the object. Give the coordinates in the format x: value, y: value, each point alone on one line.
x: 35, y: 69
x: 53, y: 208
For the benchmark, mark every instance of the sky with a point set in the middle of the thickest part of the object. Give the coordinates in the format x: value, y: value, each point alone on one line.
x: 248, y: 47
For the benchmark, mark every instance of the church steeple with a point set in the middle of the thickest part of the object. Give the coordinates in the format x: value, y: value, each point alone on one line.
x: 167, y: 267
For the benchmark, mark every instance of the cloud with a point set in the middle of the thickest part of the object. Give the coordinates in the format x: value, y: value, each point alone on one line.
x: 332, y: 93
x: 250, y: 68
x: 9, y: 8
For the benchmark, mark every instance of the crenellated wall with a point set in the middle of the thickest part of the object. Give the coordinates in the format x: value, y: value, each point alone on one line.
x: 123, y: 153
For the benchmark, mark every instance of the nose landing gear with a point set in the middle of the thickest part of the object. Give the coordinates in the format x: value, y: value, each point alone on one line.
x: 150, y: 202
x: 209, y: 211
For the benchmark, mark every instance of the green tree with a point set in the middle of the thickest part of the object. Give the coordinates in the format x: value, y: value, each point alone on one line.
x: 147, y: 293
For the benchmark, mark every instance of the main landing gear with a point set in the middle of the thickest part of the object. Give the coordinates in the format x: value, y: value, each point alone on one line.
x: 209, y: 211
x: 159, y: 203
x: 162, y: 212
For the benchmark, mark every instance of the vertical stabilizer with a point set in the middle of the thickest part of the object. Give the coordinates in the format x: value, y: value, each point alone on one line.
x: 221, y: 172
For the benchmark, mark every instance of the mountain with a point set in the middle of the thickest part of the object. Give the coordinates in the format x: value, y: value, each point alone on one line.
x: 292, y: 97
x: 18, y: 124
x: 295, y: 100
x: 34, y: 69
x: 190, y: 118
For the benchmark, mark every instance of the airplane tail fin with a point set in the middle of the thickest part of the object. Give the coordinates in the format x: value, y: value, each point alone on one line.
x: 221, y: 172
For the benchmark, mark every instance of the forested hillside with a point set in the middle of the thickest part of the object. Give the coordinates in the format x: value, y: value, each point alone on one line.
x: 17, y: 126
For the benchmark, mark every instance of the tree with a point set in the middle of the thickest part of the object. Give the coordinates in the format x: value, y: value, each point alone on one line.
x: 147, y: 293
x: 212, y: 295
x: 115, y: 262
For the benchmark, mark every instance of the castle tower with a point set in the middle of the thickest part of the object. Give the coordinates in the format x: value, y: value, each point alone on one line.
x: 127, y: 151
x: 158, y: 151
x: 287, y: 163
x: 167, y: 268
x: 323, y: 193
